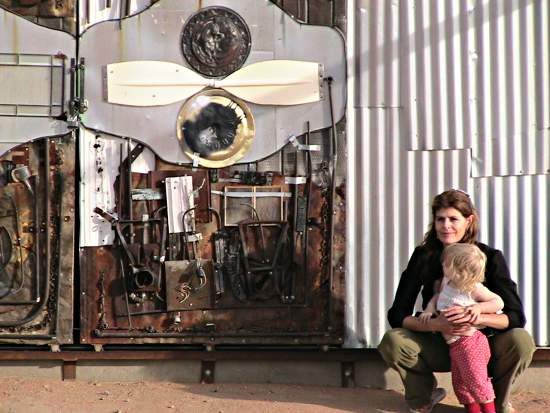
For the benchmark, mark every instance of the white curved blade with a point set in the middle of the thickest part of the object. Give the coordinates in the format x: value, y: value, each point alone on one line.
x: 276, y: 82
x: 272, y: 82
x: 151, y: 83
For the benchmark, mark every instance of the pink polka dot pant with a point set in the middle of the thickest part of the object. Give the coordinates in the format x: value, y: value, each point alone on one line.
x: 469, y: 359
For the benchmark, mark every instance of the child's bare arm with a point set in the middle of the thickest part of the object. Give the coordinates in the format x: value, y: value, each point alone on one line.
x: 429, y: 310
x: 487, y: 302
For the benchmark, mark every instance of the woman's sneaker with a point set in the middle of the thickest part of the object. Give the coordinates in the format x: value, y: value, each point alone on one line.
x: 437, y: 395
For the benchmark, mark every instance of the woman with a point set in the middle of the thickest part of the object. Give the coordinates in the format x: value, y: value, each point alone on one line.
x: 416, y: 349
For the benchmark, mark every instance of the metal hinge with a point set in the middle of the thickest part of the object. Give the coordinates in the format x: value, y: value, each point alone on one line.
x: 78, y: 103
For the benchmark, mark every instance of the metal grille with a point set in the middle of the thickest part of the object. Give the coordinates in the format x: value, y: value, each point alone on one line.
x: 32, y: 85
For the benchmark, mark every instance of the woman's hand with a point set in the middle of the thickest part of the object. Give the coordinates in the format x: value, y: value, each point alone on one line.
x: 460, y: 315
x: 442, y: 324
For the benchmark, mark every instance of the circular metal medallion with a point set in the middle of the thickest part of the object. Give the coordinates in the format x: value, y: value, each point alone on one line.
x: 215, y: 128
x: 215, y: 41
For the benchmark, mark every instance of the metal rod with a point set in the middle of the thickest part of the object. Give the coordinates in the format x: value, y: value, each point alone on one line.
x: 26, y: 336
x: 36, y: 245
x: 107, y: 334
x: 307, y: 192
x: 59, y: 215
x: 124, y: 281
x: 63, y: 85
x: 51, y: 85
x: 331, y: 212
x: 129, y: 187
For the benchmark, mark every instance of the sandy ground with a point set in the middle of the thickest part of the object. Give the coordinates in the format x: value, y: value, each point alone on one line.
x: 47, y: 395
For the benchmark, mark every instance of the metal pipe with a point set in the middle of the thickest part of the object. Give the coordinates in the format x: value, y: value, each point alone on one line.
x: 105, y: 334
x: 26, y: 336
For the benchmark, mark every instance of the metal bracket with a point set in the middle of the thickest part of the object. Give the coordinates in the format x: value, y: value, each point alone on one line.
x: 47, y: 70
x: 208, y: 369
x: 301, y: 147
x: 295, y: 180
x: 78, y: 103
x: 68, y: 370
x: 348, y: 374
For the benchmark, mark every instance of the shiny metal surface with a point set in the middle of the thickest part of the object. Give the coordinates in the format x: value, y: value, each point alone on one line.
x: 154, y: 35
x: 19, y: 36
x: 475, y: 75
x: 433, y: 103
x: 215, y: 129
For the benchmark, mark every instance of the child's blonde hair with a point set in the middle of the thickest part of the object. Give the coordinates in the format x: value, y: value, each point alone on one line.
x: 464, y: 265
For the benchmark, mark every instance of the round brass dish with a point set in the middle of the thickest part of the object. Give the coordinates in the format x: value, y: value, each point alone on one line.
x: 215, y: 128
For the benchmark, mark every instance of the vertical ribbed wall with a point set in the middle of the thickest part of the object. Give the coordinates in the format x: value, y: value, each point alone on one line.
x: 445, y: 94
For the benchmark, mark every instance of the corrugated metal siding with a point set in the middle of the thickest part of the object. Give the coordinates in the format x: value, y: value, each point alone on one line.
x: 515, y: 218
x: 476, y: 75
x: 412, y: 132
x: 437, y: 40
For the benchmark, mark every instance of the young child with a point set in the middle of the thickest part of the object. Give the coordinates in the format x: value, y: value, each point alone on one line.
x: 463, y: 272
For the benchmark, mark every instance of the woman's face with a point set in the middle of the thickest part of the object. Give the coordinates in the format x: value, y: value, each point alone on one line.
x: 450, y: 225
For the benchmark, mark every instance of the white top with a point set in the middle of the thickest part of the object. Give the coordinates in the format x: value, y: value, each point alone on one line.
x: 450, y: 296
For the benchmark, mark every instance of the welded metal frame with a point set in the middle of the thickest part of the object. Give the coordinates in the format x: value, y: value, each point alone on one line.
x: 18, y: 63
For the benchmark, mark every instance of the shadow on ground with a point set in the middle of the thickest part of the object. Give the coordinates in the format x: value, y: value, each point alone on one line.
x: 31, y: 395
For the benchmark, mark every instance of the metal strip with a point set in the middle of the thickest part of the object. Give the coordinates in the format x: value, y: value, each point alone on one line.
x: 252, y: 194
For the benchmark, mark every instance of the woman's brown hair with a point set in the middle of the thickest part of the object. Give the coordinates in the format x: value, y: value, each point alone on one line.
x: 460, y: 201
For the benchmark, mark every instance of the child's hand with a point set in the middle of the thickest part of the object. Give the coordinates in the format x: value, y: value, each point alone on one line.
x: 474, y: 311
x: 425, y: 317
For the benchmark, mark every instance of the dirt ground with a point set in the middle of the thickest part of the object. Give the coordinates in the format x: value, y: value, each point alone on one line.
x: 22, y: 395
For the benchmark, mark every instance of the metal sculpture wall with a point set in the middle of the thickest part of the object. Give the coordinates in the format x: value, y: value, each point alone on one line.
x: 246, y: 263
x: 209, y: 252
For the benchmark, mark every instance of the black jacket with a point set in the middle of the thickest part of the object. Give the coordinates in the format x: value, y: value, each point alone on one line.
x: 424, y: 269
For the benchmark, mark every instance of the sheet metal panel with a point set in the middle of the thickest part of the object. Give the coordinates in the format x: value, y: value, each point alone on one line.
x: 155, y: 34
x: 100, y: 157
x: 514, y: 215
x: 390, y: 186
x: 378, y: 27
x: 392, y: 192
x: 438, y: 61
x: 512, y: 43
x: 20, y: 36
x: 476, y: 74
x: 94, y: 11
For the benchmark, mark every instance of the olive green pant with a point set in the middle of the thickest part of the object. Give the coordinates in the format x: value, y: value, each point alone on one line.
x: 417, y: 355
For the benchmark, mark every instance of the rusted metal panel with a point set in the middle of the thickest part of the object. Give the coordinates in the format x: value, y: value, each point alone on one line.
x: 37, y: 221
x: 253, y: 311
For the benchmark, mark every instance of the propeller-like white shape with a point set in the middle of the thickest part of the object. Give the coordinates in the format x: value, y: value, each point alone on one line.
x: 155, y: 83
